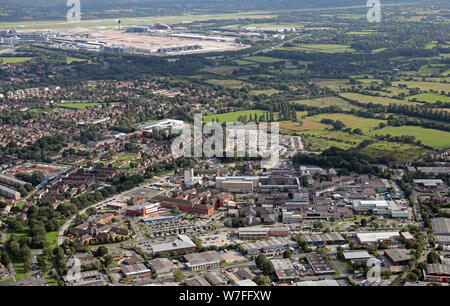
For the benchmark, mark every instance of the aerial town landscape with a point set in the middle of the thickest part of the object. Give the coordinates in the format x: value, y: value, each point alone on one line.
x: 353, y: 191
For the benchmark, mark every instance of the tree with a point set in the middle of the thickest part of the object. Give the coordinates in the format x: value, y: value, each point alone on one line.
x: 179, y: 275
x: 261, y: 280
x: 432, y: 258
x: 287, y: 254
x: 175, y: 210
x: 107, y: 260
x: 101, y: 251
x: 363, y: 222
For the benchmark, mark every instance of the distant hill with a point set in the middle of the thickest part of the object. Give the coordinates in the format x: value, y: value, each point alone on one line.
x: 21, y: 10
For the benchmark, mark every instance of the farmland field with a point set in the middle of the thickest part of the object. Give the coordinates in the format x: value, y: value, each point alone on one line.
x: 424, y: 85
x: 327, y: 101
x: 398, y: 151
x: 262, y: 59
x: 365, y: 124
x: 370, y: 99
x: 430, y: 98
x: 228, y: 83
x: 12, y: 60
x: 233, y: 116
x: 433, y: 138
x: 321, y: 48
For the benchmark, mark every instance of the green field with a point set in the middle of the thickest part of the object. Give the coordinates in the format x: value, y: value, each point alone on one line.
x: 429, y: 98
x: 262, y: 59
x: 371, y: 99
x: 399, y: 151
x: 365, y: 32
x: 354, y: 122
x: 233, y: 117
x: 321, y: 48
x: 267, y: 92
x: 125, y: 157
x: 424, y: 85
x: 327, y: 101
x: 11, y: 60
x: 228, y: 83
x: 433, y: 138
x: 77, y: 105
x: 70, y: 60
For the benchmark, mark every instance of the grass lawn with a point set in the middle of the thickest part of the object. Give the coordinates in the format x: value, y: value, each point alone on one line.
x: 77, y: 105
x: 21, y: 204
x: 52, y: 237
x: 18, y: 235
x: 433, y: 138
x: 19, y: 267
x: 122, y: 158
x: 11, y: 60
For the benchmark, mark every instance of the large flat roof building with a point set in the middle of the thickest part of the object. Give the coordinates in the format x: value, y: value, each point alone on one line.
x: 441, y: 226
x: 320, y: 264
x: 180, y: 244
x: 376, y: 237
x: 161, y: 265
x: 284, y: 269
x: 12, y: 181
x: 162, y: 125
x: 9, y: 193
x: 204, y: 260
x: 274, y: 245
x: 398, y: 257
x: 437, y: 273
x: 357, y: 256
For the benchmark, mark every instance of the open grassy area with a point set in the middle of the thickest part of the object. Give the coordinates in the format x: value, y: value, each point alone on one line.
x: 263, y: 59
x: 21, y: 204
x: 20, y: 272
x: 70, y: 60
x: 332, y: 83
x: 399, y: 151
x: 121, y: 159
x: 77, y: 105
x: 52, y: 238
x: 327, y: 101
x: 424, y: 85
x: 363, y: 33
x: 321, y: 48
x: 351, y: 121
x: 11, y: 60
x: 233, y: 116
x: 433, y: 138
x: 429, y: 98
x: 228, y: 83
x: 267, y: 92
x: 370, y: 99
